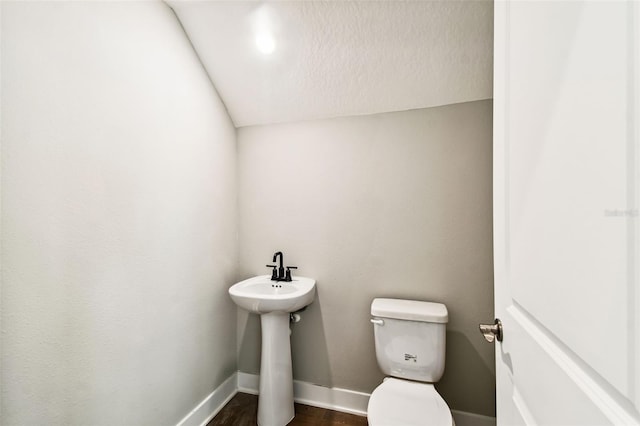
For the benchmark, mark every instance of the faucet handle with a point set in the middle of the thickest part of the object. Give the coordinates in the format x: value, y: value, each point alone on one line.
x: 274, y: 272
x: 288, y: 276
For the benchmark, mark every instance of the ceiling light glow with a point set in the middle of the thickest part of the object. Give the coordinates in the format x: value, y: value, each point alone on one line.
x: 265, y: 42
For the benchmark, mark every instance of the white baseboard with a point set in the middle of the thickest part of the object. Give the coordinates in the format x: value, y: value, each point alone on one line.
x: 248, y: 383
x: 212, y: 404
x: 462, y: 418
x: 337, y: 399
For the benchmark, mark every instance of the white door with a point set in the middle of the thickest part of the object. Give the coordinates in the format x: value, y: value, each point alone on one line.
x: 566, y: 191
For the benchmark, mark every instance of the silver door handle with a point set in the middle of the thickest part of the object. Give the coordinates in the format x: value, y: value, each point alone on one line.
x: 492, y: 332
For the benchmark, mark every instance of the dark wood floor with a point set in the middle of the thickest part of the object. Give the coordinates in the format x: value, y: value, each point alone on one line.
x: 242, y: 410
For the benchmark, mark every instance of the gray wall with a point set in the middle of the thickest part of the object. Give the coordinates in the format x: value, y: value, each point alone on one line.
x: 390, y: 205
x: 118, y: 217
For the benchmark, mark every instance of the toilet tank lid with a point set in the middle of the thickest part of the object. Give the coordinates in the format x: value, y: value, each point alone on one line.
x: 412, y: 310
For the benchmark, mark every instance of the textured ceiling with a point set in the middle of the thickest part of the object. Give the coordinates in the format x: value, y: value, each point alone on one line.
x: 337, y: 58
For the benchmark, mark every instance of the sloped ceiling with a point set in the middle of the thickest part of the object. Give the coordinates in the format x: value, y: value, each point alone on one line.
x: 337, y: 58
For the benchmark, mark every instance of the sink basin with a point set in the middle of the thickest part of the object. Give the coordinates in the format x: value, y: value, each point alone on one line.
x: 260, y: 295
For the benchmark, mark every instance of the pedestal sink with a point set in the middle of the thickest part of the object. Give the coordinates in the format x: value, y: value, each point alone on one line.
x: 274, y: 301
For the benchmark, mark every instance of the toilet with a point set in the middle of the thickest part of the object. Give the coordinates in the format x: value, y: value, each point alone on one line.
x: 410, y: 348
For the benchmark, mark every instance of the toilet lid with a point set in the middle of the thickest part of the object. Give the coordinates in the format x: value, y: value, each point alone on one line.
x: 401, y: 402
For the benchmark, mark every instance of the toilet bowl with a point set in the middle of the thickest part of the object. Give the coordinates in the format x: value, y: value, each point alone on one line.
x: 410, y: 349
x: 399, y: 402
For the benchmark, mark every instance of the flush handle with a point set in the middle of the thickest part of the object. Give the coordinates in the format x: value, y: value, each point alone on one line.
x: 377, y: 321
x: 492, y: 332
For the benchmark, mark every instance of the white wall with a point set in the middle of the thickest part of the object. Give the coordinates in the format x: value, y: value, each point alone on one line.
x: 118, y: 217
x: 388, y: 205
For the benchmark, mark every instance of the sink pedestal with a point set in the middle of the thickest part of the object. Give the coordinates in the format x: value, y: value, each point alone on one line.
x: 275, y: 402
x: 274, y: 301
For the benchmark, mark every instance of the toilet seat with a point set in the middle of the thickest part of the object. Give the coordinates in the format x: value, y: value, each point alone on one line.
x: 401, y: 402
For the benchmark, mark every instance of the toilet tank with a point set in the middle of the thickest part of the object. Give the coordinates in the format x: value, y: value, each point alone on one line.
x: 410, y: 338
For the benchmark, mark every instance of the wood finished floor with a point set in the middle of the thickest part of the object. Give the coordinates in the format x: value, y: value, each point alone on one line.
x: 242, y: 410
